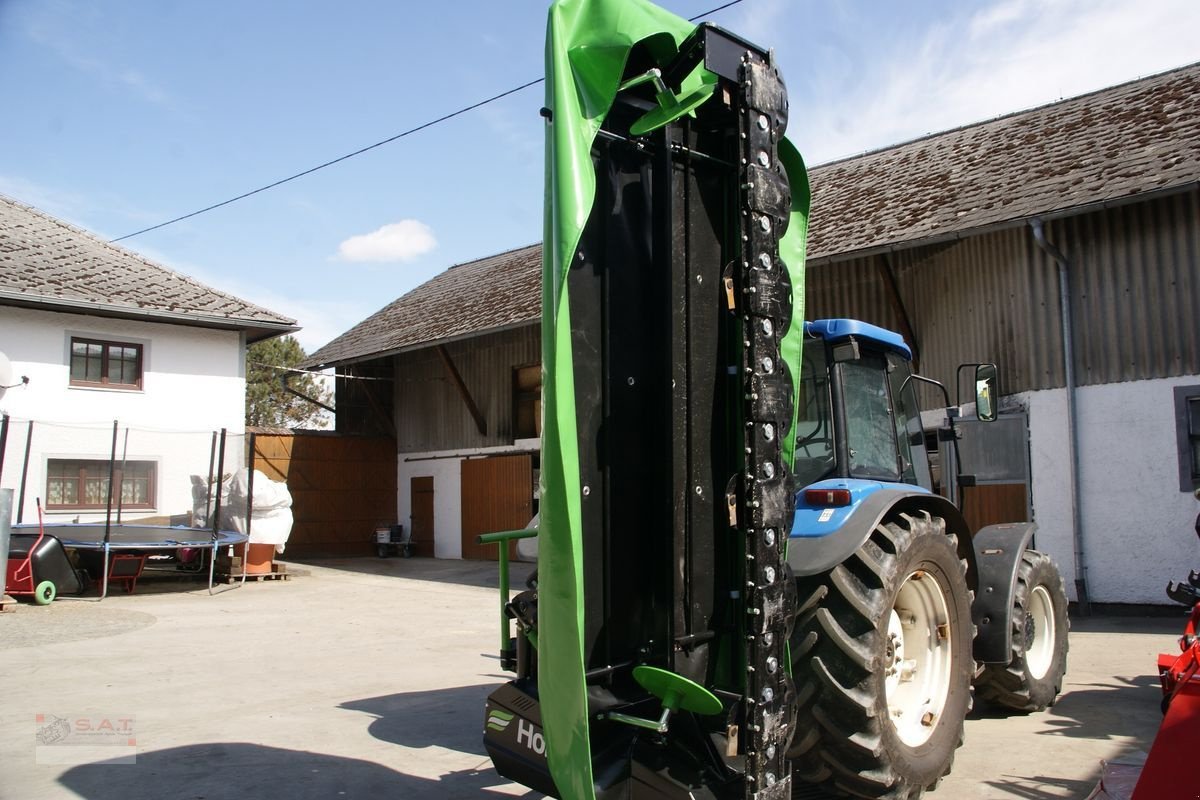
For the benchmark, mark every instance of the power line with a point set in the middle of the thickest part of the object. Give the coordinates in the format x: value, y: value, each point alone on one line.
x: 369, y: 147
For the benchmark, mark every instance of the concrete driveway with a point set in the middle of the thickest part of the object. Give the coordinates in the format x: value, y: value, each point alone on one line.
x: 365, y: 678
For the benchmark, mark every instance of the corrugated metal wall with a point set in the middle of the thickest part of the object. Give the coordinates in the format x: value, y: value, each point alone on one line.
x: 1135, y: 276
x: 430, y: 412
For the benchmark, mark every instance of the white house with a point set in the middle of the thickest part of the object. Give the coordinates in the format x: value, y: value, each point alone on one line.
x: 106, y: 336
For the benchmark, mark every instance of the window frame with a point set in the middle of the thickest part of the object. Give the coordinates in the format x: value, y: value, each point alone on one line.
x: 100, y: 467
x: 530, y: 396
x: 1187, y: 442
x: 105, y: 345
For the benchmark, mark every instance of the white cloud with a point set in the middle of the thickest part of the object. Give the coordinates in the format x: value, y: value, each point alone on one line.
x: 399, y: 241
x: 1007, y: 56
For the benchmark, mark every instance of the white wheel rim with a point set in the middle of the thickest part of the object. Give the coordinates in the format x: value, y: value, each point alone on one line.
x: 918, y: 658
x: 1039, y: 633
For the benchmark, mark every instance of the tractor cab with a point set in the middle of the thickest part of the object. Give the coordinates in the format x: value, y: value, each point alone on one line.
x: 857, y: 413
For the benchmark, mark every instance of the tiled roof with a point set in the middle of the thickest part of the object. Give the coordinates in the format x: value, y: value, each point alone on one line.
x: 46, y: 263
x: 1104, y: 147
x: 1139, y: 137
x: 489, y: 294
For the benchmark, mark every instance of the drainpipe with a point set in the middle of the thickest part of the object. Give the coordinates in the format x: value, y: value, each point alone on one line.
x: 1064, y: 304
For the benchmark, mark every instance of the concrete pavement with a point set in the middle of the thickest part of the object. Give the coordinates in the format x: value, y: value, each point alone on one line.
x: 365, y: 678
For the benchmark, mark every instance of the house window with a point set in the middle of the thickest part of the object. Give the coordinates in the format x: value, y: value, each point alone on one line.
x: 112, y: 365
x: 527, y: 402
x: 1187, y: 436
x: 78, y: 484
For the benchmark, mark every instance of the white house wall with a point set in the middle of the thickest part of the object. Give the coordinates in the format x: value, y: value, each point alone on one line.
x: 193, y: 384
x: 1137, y: 525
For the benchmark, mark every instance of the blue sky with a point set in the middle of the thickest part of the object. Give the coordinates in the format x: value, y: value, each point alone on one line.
x: 123, y: 114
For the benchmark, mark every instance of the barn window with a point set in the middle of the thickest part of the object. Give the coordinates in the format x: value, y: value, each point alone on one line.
x: 1187, y: 436
x: 527, y: 402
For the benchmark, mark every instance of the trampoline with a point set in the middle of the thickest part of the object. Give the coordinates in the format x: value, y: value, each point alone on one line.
x: 125, y: 536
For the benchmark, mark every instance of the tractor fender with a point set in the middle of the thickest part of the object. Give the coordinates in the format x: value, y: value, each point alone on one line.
x: 998, y: 550
x: 813, y: 554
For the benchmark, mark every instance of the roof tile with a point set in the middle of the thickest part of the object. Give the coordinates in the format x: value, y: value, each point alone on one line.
x: 1109, y: 145
x: 46, y: 262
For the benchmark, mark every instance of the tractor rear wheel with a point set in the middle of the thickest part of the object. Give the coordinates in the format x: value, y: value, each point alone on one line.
x: 881, y: 659
x: 1033, y: 678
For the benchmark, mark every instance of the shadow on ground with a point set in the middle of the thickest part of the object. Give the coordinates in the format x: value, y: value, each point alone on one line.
x: 449, y: 718
x: 439, y: 570
x: 1041, y: 787
x: 238, y: 770
x: 1117, y: 709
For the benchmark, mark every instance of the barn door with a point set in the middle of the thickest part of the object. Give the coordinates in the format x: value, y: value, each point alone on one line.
x: 497, y: 495
x: 421, y: 519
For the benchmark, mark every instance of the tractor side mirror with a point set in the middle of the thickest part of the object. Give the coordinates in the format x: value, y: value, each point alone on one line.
x: 986, y: 392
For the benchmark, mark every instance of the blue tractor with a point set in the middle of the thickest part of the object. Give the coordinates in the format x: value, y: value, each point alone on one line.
x: 902, y: 607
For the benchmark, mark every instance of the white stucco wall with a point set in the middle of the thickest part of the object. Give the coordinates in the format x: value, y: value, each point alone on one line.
x: 1137, y: 526
x: 193, y: 383
x: 445, y: 467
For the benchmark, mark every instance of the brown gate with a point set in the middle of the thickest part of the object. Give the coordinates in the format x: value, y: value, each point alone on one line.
x: 421, y: 520
x: 342, y: 487
x: 497, y: 495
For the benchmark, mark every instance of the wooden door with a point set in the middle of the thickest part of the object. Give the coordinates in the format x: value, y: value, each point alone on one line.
x: 497, y: 495
x: 421, y: 519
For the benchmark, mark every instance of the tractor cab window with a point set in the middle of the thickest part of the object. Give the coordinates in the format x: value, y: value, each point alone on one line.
x: 870, y: 432
x: 815, y: 456
x: 909, y: 431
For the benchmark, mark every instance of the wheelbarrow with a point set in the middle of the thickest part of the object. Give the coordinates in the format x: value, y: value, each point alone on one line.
x: 392, y: 539
x: 39, y: 566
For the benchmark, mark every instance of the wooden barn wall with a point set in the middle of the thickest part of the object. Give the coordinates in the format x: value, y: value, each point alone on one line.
x: 342, y: 487
x: 430, y: 412
x: 364, y: 407
x: 1135, y: 286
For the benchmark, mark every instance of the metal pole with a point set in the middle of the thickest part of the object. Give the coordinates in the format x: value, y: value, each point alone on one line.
x: 208, y: 493
x: 6, y: 499
x: 24, y: 474
x: 249, y: 501
x: 124, y: 462
x: 216, y: 520
x: 3, y: 447
x: 112, y: 463
x: 112, y: 468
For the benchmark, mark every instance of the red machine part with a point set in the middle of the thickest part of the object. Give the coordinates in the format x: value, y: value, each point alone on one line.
x: 1170, y: 767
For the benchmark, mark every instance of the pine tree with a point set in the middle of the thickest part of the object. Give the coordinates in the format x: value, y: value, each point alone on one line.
x: 267, y: 404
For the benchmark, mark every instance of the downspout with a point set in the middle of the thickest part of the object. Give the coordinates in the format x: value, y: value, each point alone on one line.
x: 1064, y: 304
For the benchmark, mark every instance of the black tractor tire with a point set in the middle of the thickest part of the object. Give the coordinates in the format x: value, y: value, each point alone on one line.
x: 1033, y: 678
x: 842, y: 648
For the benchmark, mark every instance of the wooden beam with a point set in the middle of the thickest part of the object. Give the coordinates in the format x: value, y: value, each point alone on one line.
x: 892, y: 289
x: 463, y: 391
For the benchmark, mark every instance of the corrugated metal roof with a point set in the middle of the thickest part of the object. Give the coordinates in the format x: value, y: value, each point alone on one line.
x: 46, y: 263
x: 1127, y: 141
x: 492, y: 293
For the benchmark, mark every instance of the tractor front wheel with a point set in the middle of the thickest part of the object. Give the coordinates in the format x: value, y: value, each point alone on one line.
x: 881, y: 659
x: 1033, y: 678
